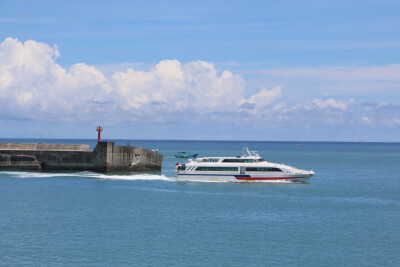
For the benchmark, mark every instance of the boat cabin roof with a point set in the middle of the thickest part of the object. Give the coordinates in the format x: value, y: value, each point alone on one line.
x: 247, y: 159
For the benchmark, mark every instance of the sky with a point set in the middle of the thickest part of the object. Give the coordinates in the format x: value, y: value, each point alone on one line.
x: 201, y: 70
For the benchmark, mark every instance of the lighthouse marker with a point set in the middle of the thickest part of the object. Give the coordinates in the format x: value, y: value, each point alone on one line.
x: 99, y: 129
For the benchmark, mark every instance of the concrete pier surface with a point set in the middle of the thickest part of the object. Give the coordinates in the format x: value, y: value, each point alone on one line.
x: 106, y: 156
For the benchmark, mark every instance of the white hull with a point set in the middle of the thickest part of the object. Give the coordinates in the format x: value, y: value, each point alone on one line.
x: 231, y: 178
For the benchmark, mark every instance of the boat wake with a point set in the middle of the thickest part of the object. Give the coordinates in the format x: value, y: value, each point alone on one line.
x: 92, y: 175
x: 148, y: 177
x: 128, y: 177
x: 26, y: 174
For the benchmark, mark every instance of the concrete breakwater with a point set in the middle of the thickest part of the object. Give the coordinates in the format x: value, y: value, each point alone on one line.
x: 106, y: 156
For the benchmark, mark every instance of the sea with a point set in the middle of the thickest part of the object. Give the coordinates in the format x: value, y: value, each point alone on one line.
x: 348, y: 214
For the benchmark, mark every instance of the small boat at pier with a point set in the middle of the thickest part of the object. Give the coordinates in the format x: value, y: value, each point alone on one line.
x: 185, y: 155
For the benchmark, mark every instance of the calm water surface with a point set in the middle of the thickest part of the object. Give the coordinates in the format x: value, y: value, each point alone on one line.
x: 348, y: 213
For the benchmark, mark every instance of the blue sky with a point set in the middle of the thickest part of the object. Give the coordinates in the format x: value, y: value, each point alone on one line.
x: 241, y: 70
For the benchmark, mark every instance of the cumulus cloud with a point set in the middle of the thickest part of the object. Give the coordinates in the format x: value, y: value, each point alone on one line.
x: 193, y: 86
x: 322, y: 105
x: 262, y: 99
x: 34, y: 86
x: 331, y: 103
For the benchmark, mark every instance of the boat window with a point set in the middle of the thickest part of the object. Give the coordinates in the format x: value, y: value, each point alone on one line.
x: 210, y: 160
x: 182, y: 167
x: 216, y: 169
x: 238, y: 160
x: 269, y: 169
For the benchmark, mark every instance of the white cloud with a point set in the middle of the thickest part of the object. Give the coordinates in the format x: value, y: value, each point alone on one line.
x: 34, y: 86
x: 263, y: 99
x: 331, y: 103
x: 321, y: 105
x: 364, y: 82
x: 366, y: 120
x: 396, y: 121
x: 194, y: 86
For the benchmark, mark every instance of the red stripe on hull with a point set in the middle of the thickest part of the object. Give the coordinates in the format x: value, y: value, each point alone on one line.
x: 266, y: 178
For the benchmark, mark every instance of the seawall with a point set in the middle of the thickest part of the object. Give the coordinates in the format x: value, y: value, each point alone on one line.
x: 106, y: 156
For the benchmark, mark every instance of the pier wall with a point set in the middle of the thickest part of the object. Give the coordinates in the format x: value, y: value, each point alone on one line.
x: 45, y: 147
x: 106, y: 156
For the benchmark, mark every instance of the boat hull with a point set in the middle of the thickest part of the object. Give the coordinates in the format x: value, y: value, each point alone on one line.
x: 243, y: 178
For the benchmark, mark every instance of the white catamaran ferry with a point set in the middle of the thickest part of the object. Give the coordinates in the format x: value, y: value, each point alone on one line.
x: 247, y: 168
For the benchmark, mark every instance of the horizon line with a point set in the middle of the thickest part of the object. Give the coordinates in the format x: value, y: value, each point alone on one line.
x: 200, y: 140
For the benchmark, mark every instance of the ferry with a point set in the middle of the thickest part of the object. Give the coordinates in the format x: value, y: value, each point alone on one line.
x: 249, y: 167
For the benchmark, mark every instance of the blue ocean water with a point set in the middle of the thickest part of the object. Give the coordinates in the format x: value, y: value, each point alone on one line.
x: 348, y: 213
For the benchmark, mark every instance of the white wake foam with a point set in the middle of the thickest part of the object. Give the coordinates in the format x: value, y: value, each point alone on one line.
x: 18, y: 174
x: 132, y: 177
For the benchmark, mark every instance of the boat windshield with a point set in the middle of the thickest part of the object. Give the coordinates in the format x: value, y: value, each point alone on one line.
x: 238, y: 160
